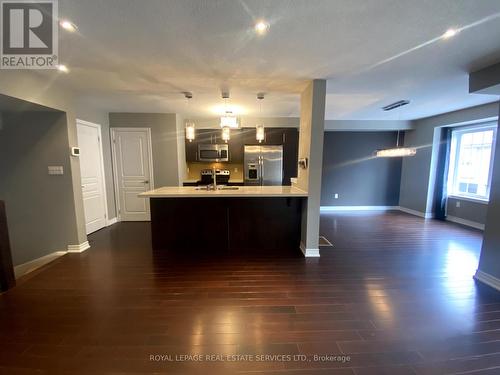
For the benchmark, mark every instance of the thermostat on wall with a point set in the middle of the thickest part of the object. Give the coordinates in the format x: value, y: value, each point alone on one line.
x: 75, y: 151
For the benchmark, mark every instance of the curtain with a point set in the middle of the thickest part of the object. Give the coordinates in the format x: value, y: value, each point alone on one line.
x: 441, y: 195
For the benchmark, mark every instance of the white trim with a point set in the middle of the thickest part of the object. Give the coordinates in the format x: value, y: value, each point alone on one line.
x: 79, y: 248
x: 112, y: 221
x: 309, y: 253
x: 103, y: 174
x: 466, y: 222
x: 32, y: 265
x: 469, y: 199
x: 487, y: 279
x: 357, y: 208
x: 115, y: 171
x: 473, y: 122
x: 425, y: 215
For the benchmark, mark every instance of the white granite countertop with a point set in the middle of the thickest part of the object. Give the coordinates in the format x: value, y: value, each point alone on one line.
x: 241, y: 191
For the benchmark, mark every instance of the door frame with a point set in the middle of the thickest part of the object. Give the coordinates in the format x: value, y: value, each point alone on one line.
x: 115, y: 170
x: 101, y: 158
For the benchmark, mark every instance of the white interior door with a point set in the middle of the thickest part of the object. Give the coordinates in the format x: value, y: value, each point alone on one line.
x: 92, y: 174
x: 133, y: 171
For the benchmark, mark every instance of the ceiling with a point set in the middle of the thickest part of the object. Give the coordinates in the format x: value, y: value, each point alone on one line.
x: 131, y: 55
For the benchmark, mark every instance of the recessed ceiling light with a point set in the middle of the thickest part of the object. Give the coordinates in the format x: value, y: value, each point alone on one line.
x: 261, y: 27
x: 63, y: 68
x: 450, y: 33
x: 68, y: 25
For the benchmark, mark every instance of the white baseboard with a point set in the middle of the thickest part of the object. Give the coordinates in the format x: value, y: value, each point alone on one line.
x: 32, y: 265
x: 466, y: 222
x: 357, y: 208
x: 487, y: 279
x: 79, y: 248
x: 112, y: 221
x: 309, y: 253
x: 425, y: 215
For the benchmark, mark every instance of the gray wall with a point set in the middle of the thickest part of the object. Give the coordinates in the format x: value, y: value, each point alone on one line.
x: 39, y: 206
x: 164, y: 142
x: 350, y: 170
x: 489, y: 261
x: 468, y: 210
x: 33, y: 87
x: 418, y: 172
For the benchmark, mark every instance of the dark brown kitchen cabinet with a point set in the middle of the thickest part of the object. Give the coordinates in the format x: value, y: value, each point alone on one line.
x: 290, y: 154
x: 236, y: 146
x: 248, y: 136
x: 206, y: 136
x: 192, y: 151
x: 274, y: 136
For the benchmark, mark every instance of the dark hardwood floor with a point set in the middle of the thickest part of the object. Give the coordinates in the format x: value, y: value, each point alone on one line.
x: 394, y: 295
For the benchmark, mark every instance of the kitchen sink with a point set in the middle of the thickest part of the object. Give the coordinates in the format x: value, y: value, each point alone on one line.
x: 211, y: 188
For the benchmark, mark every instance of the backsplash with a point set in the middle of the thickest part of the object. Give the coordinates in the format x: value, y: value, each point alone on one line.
x: 193, y: 169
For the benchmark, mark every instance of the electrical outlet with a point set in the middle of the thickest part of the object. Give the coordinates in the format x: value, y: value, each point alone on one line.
x: 336, y: 196
x: 235, y: 170
x: 457, y: 204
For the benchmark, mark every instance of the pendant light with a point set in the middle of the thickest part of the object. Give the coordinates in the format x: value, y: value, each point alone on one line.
x: 396, y: 152
x: 228, y: 120
x: 190, y: 125
x: 260, y: 133
x: 226, y: 134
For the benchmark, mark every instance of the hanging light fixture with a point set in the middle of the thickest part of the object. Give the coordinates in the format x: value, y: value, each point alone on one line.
x: 260, y: 133
x: 190, y: 125
x: 396, y: 152
x: 226, y: 134
x: 228, y: 120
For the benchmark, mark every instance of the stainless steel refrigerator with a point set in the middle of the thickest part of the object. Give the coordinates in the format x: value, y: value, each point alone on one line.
x: 263, y: 165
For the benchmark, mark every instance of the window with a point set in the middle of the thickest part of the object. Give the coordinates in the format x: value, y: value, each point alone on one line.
x: 471, y: 159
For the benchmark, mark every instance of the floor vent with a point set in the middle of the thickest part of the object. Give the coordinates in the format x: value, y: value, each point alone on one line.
x: 323, y: 241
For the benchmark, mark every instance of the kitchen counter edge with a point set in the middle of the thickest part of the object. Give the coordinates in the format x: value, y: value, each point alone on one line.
x: 243, y: 191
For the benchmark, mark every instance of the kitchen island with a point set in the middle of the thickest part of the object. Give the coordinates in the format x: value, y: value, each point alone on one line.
x: 246, y: 220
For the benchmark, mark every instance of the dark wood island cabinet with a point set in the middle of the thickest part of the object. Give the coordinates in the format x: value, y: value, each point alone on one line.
x: 247, y: 221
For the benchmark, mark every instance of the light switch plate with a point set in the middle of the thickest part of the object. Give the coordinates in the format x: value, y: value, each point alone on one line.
x: 457, y: 204
x: 56, y: 170
x: 336, y: 196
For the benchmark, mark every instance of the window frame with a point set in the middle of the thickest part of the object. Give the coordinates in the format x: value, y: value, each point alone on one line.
x: 455, y: 157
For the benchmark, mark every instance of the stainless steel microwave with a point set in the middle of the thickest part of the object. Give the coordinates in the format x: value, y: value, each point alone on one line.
x: 217, y: 153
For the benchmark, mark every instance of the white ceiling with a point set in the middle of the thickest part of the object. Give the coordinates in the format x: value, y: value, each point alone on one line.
x: 132, y: 55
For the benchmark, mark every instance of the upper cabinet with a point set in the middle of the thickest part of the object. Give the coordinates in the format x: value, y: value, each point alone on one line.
x: 236, y: 143
x: 191, y: 151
